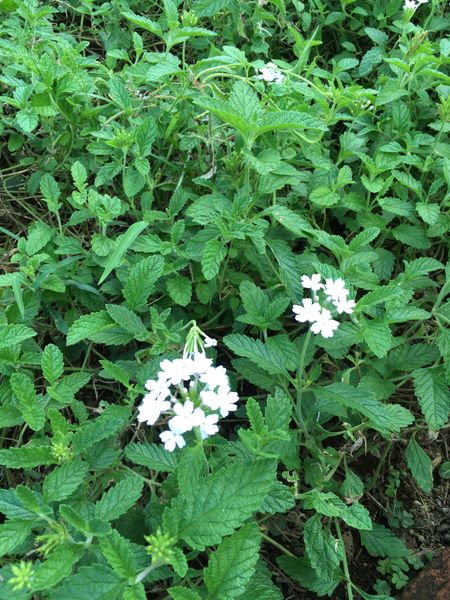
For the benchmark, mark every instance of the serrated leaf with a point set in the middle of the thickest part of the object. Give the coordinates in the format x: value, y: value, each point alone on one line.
x: 95, y: 582
x: 115, y: 372
x: 52, y: 363
x: 56, y: 567
x: 290, y: 219
x: 26, y: 457
x: 141, y: 280
x: 222, y: 502
x: 123, y: 242
x: 142, y: 22
x: 109, y: 423
x: 29, y: 404
x: 12, y: 534
x: 116, y: 549
x: 264, y: 356
x: 119, y: 498
x: 14, y: 334
x: 378, y: 336
x: 323, y: 550
x: 88, y: 326
x: 429, y: 212
x: 79, y: 174
x: 27, y: 120
x: 382, y: 542
x: 64, y: 480
x: 212, y: 258
x: 51, y: 192
x: 406, y: 313
x: 152, y: 456
x: 128, y: 320
x: 180, y: 290
x: 280, y: 499
x: 232, y: 565
x: 420, y: 465
x: 432, y: 392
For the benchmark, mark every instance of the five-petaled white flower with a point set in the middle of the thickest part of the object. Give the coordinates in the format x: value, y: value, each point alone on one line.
x: 209, y: 426
x: 335, y: 289
x: 310, y: 311
x: 345, y: 306
x: 171, y: 440
x: 312, y: 282
x: 325, y: 325
x: 209, y: 342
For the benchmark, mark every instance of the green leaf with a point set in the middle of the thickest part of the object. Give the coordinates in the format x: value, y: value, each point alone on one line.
x: 26, y: 457
x: 29, y: 404
x: 289, y: 119
x: 123, y: 242
x: 141, y: 280
x: 300, y: 570
x: 205, y: 8
x: 382, y: 542
x: 232, y: 565
x: 432, y: 392
x: 378, y: 336
x: 136, y: 592
x: 12, y: 534
x: 444, y: 472
x: 95, y: 582
x: 119, y: 498
x: 213, y: 256
x: 52, y: 363
x: 14, y: 334
x: 116, y: 549
x: 115, y: 372
x: 112, y: 420
x: 128, y: 320
x: 222, y: 502
x: 291, y: 220
x: 180, y: 290
x: 57, y: 567
x: 280, y: 499
x: 17, y: 291
x: 88, y: 326
x: 266, y: 356
x: 358, y: 400
x: 406, y: 313
x: 79, y: 174
x: 51, y: 192
x: 64, y: 480
x: 152, y: 456
x: 244, y: 101
x: 27, y: 120
x: 12, y: 507
x: 190, y: 469
x: 142, y: 22
x: 378, y: 296
x: 323, y: 550
x: 420, y: 465
x: 324, y: 196
x: 421, y: 266
x: 428, y: 212
x: 330, y: 505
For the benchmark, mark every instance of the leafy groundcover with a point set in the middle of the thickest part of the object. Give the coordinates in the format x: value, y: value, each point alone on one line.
x: 224, y: 223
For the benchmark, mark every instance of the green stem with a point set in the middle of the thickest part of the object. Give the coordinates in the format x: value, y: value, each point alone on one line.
x: 300, y: 376
x: 277, y: 545
x: 345, y: 563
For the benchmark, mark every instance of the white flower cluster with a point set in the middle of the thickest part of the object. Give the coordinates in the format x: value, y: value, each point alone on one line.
x: 413, y: 4
x: 193, y: 392
x: 271, y: 74
x: 312, y: 311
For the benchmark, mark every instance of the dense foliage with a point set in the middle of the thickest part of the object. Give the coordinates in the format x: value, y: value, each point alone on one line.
x: 170, y: 162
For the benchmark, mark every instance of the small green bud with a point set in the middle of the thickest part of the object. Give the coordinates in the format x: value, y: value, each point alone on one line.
x: 22, y: 575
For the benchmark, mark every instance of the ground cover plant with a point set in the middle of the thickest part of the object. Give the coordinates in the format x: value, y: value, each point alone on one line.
x: 224, y: 297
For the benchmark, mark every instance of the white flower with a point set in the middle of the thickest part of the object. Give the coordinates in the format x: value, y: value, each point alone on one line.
x: 151, y: 408
x: 176, y: 371
x: 325, y: 325
x: 410, y: 4
x: 223, y: 400
x: 335, y: 289
x: 171, y: 440
x: 186, y: 417
x: 209, y: 342
x: 344, y: 306
x: 312, y: 282
x: 209, y: 425
x: 310, y: 311
x: 201, y: 364
x: 215, y: 377
x: 271, y: 74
